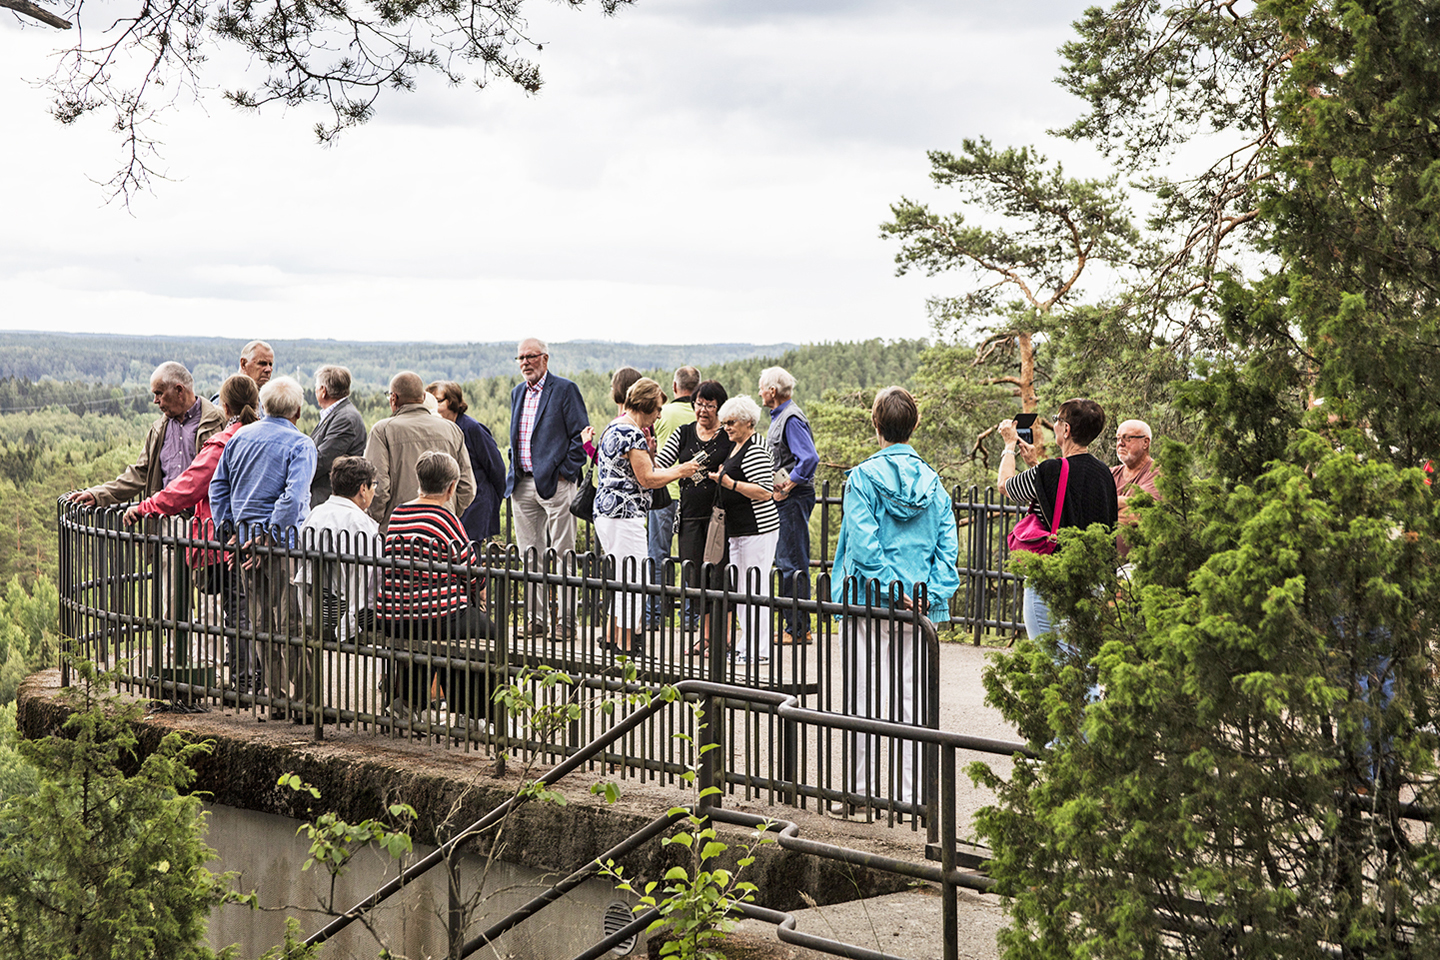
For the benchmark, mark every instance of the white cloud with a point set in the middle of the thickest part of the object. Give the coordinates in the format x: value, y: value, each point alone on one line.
x: 697, y: 170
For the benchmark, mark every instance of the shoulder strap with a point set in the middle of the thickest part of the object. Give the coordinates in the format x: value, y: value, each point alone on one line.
x: 1060, y: 495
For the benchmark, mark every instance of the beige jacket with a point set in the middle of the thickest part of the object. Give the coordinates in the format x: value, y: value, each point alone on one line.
x: 394, y: 448
x: 143, y: 476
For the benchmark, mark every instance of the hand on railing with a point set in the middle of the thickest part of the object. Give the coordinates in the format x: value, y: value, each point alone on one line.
x: 921, y: 605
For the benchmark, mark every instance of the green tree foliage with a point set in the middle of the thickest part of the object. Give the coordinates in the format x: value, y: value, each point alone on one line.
x: 1023, y: 275
x: 128, y: 361
x: 27, y: 632
x: 1240, y: 789
x: 1355, y: 209
x: 1241, y: 779
x: 17, y: 778
x: 1182, y: 94
x: 107, y: 858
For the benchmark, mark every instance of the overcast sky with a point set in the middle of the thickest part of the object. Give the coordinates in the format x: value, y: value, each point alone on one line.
x: 693, y: 170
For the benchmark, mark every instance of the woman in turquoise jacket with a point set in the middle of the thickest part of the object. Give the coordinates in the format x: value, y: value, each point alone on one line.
x: 898, y: 525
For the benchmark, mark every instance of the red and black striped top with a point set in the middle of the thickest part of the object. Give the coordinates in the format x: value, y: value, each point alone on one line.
x: 422, y: 533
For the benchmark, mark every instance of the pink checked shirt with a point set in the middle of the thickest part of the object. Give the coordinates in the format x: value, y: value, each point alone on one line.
x: 527, y: 420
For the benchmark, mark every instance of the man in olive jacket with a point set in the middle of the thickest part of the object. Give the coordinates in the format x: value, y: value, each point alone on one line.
x: 174, y: 439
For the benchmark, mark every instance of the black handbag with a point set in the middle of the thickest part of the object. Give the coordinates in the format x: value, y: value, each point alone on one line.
x: 660, y: 497
x: 583, y: 505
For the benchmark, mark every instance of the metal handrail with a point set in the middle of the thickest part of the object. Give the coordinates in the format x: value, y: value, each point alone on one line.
x: 787, y: 707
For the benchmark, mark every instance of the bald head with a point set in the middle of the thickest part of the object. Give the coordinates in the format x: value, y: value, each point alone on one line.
x: 1132, y: 443
x: 407, y: 387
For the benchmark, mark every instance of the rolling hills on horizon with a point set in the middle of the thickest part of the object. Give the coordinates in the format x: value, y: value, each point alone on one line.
x: 127, y: 360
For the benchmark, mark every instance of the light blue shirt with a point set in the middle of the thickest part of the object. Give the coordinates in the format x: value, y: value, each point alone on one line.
x: 264, y: 477
x: 898, y: 525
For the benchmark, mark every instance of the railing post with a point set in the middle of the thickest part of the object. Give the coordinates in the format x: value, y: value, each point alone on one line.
x: 976, y: 573
x: 67, y: 588
x: 316, y: 630
x: 949, y: 905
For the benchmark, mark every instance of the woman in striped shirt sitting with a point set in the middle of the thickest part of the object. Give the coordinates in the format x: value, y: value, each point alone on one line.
x: 426, y: 604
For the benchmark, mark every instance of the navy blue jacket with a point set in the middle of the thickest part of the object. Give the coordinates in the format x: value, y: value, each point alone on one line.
x: 555, y: 447
x: 482, y: 518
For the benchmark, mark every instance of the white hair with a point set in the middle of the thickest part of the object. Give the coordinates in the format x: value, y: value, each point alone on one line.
x: 248, y: 351
x: 779, y: 380
x: 170, y: 372
x: 335, y: 380
x: 540, y: 344
x: 1140, y: 425
x: 282, y: 397
x: 741, y: 408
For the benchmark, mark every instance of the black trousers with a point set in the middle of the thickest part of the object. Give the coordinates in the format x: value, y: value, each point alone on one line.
x: 465, y: 676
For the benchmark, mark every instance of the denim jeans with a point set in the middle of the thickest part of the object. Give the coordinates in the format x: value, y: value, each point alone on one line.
x: 660, y: 525
x: 1038, y: 623
x: 792, y: 555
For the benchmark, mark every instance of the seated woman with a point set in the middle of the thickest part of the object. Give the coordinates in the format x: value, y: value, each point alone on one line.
x: 424, y: 606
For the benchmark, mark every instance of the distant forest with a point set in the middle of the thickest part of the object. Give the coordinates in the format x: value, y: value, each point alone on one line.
x: 127, y: 361
x: 58, y: 435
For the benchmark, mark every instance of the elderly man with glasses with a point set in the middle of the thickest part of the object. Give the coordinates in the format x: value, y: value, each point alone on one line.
x: 1137, y: 470
x: 547, y: 456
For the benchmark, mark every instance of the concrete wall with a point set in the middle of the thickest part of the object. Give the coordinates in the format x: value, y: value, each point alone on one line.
x: 268, y: 855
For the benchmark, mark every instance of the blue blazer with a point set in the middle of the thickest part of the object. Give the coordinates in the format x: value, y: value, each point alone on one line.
x: 555, y: 447
x: 481, y: 519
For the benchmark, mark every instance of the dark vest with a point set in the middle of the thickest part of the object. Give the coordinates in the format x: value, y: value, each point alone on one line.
x: 779, y: 451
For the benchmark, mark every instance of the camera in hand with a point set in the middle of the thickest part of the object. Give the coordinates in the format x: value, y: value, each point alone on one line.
x: 1025, y: 426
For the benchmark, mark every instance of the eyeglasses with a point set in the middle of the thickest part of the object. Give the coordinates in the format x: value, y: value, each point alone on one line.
x: 728, y: 423
x: 1130, y: 437
x: 525, y: 357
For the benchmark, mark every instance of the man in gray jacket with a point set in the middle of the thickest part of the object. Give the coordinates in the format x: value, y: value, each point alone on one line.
x: 341, y: 431
x: 397, y: 442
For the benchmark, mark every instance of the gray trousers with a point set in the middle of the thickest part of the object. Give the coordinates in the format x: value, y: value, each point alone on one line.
x: 542, y: 523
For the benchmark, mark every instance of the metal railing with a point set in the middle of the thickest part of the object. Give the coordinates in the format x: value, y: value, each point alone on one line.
x: 988, y: 601
x: 272, y: 636
x: 941, y: 748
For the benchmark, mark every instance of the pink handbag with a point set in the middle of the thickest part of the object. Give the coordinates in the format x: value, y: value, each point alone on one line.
x: 1030, y: 534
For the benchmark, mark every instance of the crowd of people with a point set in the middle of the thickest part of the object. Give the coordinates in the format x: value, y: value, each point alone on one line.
x: 426, y: 485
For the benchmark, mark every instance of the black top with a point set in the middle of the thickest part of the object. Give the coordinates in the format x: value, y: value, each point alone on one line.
x: 697, y: 493
x: 1089, y: 493
x: 751, y: 463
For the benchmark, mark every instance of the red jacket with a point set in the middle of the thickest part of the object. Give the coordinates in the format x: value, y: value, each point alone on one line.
x: 192, y: 489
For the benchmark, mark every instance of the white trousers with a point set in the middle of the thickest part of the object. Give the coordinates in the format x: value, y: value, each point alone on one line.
x: 881, y: 664
x: 542, y: 524
x: 626, y: 539
x: 753, y: 556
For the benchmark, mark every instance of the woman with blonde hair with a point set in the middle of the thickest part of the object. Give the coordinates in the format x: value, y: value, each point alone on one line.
x: 624, y: 476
